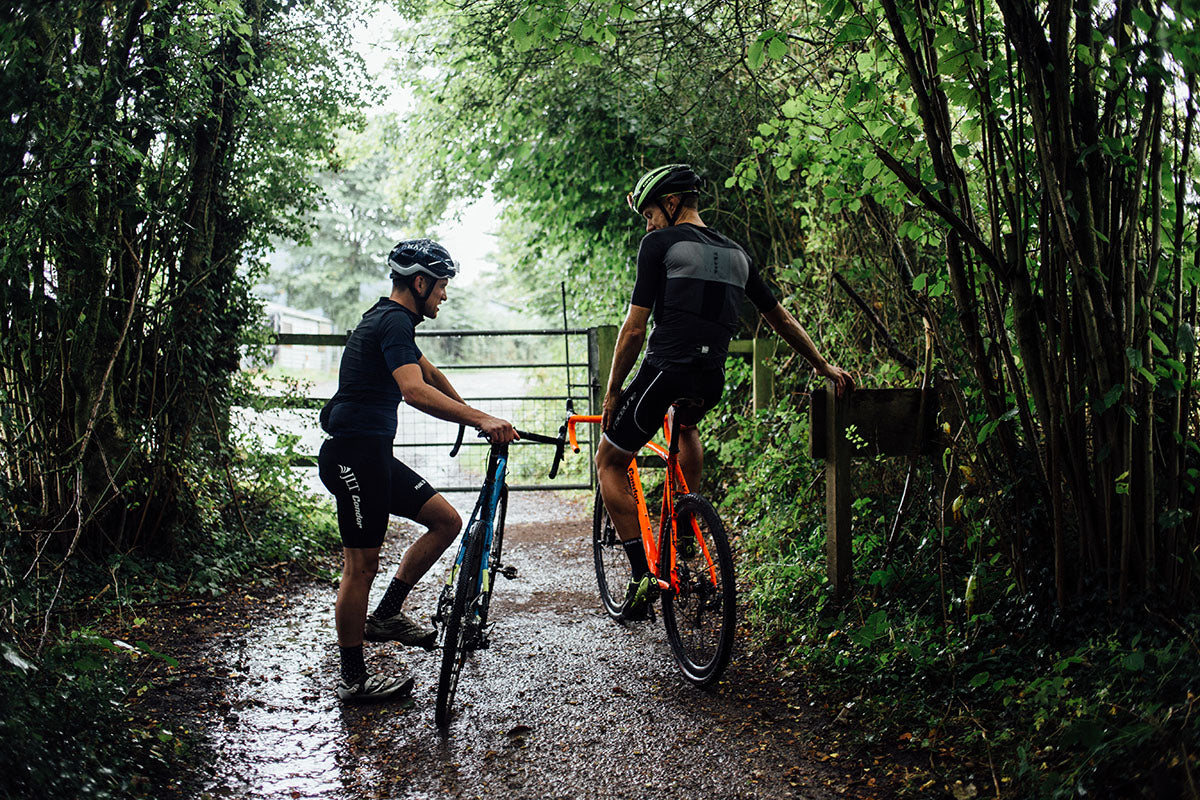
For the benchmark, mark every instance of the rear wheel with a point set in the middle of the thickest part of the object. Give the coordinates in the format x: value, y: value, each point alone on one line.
x: 612, y: 565
x: 460, y: 624
x: 701, y: 617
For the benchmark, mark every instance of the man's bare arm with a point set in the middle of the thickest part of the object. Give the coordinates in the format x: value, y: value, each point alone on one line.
x: 792, y: 332
x: 438, y: 380
x: 433, y: 401
x: 630, y: 339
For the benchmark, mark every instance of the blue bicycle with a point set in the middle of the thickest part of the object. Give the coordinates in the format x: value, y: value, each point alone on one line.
x: 462, y: 608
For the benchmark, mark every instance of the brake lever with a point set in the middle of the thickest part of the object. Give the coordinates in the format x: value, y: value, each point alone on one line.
x: 560, y: 444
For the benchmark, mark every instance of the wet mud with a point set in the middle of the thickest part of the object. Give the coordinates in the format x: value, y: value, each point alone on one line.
x: 564, y: 703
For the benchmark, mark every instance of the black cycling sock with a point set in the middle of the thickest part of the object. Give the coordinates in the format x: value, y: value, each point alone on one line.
x: 636, y: 552
x: 393, y: 599
x: 353, y: 665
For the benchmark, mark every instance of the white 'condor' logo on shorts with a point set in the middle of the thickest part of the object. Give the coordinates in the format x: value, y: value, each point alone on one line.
x: 348, y: 477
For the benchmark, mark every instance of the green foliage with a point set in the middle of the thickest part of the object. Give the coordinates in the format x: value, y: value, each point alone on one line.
x: 252, y: 515
x: 150, y: 152
x: 348, y: 236
x: 936, y: 652
x: 932, y: 109
x: 778, y: 525
x: 65, y: 728
x: 181, y: 137
x: 605, y: 103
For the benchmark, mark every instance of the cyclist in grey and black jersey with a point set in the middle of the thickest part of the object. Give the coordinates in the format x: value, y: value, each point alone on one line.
x: 693, y: 280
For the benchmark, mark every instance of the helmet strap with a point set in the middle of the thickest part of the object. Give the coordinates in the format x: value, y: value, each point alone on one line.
x: 424, y: 296
x: 663, y: 208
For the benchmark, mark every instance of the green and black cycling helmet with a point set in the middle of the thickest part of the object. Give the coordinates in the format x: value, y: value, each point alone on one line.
x: 662, y: 182
x: 413, y: 257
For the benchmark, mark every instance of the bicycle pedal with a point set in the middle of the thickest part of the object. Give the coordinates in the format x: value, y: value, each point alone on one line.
x: 509, y: 571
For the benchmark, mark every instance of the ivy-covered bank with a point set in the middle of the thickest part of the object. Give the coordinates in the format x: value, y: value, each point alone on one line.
x: 149, y: 152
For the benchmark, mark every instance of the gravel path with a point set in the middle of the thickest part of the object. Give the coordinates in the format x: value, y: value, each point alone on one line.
x: 564, y: 704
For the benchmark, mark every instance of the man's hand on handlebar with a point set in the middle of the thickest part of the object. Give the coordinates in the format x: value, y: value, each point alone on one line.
x: 498, y: 431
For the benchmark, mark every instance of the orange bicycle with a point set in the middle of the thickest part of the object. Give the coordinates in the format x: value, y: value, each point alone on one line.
x: 691, y: 560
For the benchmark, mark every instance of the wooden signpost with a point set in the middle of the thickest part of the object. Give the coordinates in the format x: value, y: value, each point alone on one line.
x: 867, y: 422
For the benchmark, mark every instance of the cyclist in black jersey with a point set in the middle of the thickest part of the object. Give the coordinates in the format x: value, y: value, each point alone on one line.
x: 693, y: 280
x: 380, y: 366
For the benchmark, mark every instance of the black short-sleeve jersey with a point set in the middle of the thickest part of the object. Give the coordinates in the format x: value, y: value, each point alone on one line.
x: 367, y: 395
x: 694, y: 279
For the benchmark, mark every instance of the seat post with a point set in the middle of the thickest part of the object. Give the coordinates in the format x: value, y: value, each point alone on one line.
x: 682, y: 402
x: 673, y: 447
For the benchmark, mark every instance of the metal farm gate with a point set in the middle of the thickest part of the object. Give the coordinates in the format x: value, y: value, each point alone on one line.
x: 523, y: 376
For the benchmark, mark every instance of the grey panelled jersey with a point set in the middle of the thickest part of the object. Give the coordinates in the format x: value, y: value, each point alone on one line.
x: 694, y: 279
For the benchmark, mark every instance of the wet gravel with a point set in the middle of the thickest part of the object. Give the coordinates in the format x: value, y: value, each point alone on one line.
x: 564, y: 704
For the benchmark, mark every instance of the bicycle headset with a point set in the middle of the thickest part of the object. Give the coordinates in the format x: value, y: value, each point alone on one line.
x: 661, y: 182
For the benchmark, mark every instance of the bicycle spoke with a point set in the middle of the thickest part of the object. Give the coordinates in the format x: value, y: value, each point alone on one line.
x: 459, y: 624
x: 701, y: 616
x: 612, y: 565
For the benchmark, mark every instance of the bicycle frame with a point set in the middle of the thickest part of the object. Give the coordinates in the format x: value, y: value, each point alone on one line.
x: 485, y: 509
x: 490, y: 499
x: 673, y: 484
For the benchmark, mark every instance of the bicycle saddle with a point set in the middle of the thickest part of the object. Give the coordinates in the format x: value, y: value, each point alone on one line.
x: 688, y: 403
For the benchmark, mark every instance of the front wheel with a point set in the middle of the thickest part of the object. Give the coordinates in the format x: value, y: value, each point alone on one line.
x: 493, y: 561
x: 459, y: 624
x: 612, y: 565
x: 701, y: 617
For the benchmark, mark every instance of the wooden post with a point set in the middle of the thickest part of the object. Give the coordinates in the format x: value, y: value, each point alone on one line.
x: 838, y: 554
x: 764, y: 379
x: 602, y: 341
x: 886, y: 422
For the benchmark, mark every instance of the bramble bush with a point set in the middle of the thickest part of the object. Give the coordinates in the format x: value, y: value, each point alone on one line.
x: 938, y: 651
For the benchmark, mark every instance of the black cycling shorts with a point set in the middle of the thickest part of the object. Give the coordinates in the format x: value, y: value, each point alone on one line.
x: 369, y: 483
x: 646, y: 399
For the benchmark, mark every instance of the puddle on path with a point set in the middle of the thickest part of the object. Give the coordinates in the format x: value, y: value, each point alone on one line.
x: 283, y: 733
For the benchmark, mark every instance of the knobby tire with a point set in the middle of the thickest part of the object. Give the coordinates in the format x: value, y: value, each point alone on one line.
x: 701, y: 618
x: 454, y: 649
x: 612, y: 565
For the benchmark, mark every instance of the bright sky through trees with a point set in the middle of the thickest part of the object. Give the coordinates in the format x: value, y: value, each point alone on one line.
x: 469, y: 231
